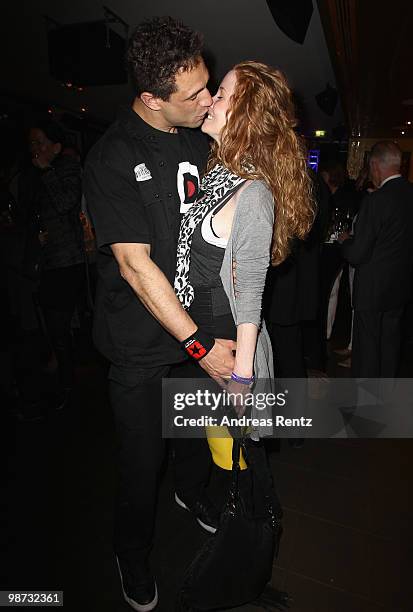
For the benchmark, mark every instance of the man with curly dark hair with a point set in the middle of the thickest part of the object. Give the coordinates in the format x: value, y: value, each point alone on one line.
x: 178, y: 49
x: 139, y: 179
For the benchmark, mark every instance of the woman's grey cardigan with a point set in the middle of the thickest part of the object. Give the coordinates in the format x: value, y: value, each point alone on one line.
x: 248, y: 255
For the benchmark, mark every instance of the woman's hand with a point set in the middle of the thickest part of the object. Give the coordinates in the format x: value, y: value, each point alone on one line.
x: 238, y: 395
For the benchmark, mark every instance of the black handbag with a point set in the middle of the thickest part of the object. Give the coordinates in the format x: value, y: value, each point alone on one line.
x: 234, y: 566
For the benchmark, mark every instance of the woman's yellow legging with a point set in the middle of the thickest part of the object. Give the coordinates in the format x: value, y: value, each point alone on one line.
x: 220, y: 444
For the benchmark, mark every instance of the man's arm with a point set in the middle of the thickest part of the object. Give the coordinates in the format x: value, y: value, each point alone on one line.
x: 157, y: 295
x: 358, y: 249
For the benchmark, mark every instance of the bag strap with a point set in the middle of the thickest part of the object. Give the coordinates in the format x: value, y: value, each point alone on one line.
x: 236, y: 448
x: 258, y: 463
x: 234, y: 487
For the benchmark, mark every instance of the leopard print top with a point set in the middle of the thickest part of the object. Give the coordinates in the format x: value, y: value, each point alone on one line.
x: 218, y: 185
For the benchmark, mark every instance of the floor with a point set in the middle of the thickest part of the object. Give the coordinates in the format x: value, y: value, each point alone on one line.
x: 347, y: 543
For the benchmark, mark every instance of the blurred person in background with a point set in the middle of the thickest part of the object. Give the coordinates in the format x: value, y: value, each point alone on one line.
x: 342, y: 207
x: 60, y: 260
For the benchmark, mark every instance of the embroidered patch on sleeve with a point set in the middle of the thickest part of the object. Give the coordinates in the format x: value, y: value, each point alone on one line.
x: 142, y: 173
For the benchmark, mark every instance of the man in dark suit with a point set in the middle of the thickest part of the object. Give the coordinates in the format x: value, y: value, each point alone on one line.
x: 382, y: 253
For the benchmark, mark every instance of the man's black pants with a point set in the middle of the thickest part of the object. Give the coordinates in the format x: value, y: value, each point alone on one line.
x: 136, y: 399
x: 376, y: 343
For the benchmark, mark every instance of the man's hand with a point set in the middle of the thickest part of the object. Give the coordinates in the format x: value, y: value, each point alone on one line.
x: 43, y: 238
x: 343, y: 236
x: 219, y: 363
x: 41, y: 161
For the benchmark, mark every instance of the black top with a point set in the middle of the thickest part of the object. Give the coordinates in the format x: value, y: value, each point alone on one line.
x: 206, y: 258
x: 205, y: 267
x: 137, y: 179
x: 345, y: 200
x: 57, y: 194
x: 292, y: 288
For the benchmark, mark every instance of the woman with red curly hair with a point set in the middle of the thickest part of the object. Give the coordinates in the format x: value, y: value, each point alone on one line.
x: 256, y: 199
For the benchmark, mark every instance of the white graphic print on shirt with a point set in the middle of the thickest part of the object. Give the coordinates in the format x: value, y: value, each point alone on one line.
x: 188, y: 185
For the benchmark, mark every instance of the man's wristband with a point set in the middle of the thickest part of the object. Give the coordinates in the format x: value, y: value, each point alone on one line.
x: 198, y: 344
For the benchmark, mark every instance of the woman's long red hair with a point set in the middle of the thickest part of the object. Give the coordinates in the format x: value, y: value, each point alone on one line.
x: 259, y: 142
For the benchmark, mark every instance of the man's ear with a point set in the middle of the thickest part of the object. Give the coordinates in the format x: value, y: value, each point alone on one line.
x: 150, y: 101
x: 57, y: 148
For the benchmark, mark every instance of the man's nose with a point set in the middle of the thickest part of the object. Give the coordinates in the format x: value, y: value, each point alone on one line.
x: 206, y: 99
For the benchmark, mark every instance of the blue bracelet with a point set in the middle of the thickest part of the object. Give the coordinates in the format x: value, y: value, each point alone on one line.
x: 241, y: 380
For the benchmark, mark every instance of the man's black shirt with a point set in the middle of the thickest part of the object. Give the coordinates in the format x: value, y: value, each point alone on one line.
x: 137, y: 180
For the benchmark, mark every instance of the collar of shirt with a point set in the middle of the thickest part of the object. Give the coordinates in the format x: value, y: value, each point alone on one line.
x: 138, y: 127
x: 389, y: 178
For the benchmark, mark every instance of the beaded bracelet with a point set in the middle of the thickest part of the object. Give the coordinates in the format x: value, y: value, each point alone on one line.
x: 242, y: 380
